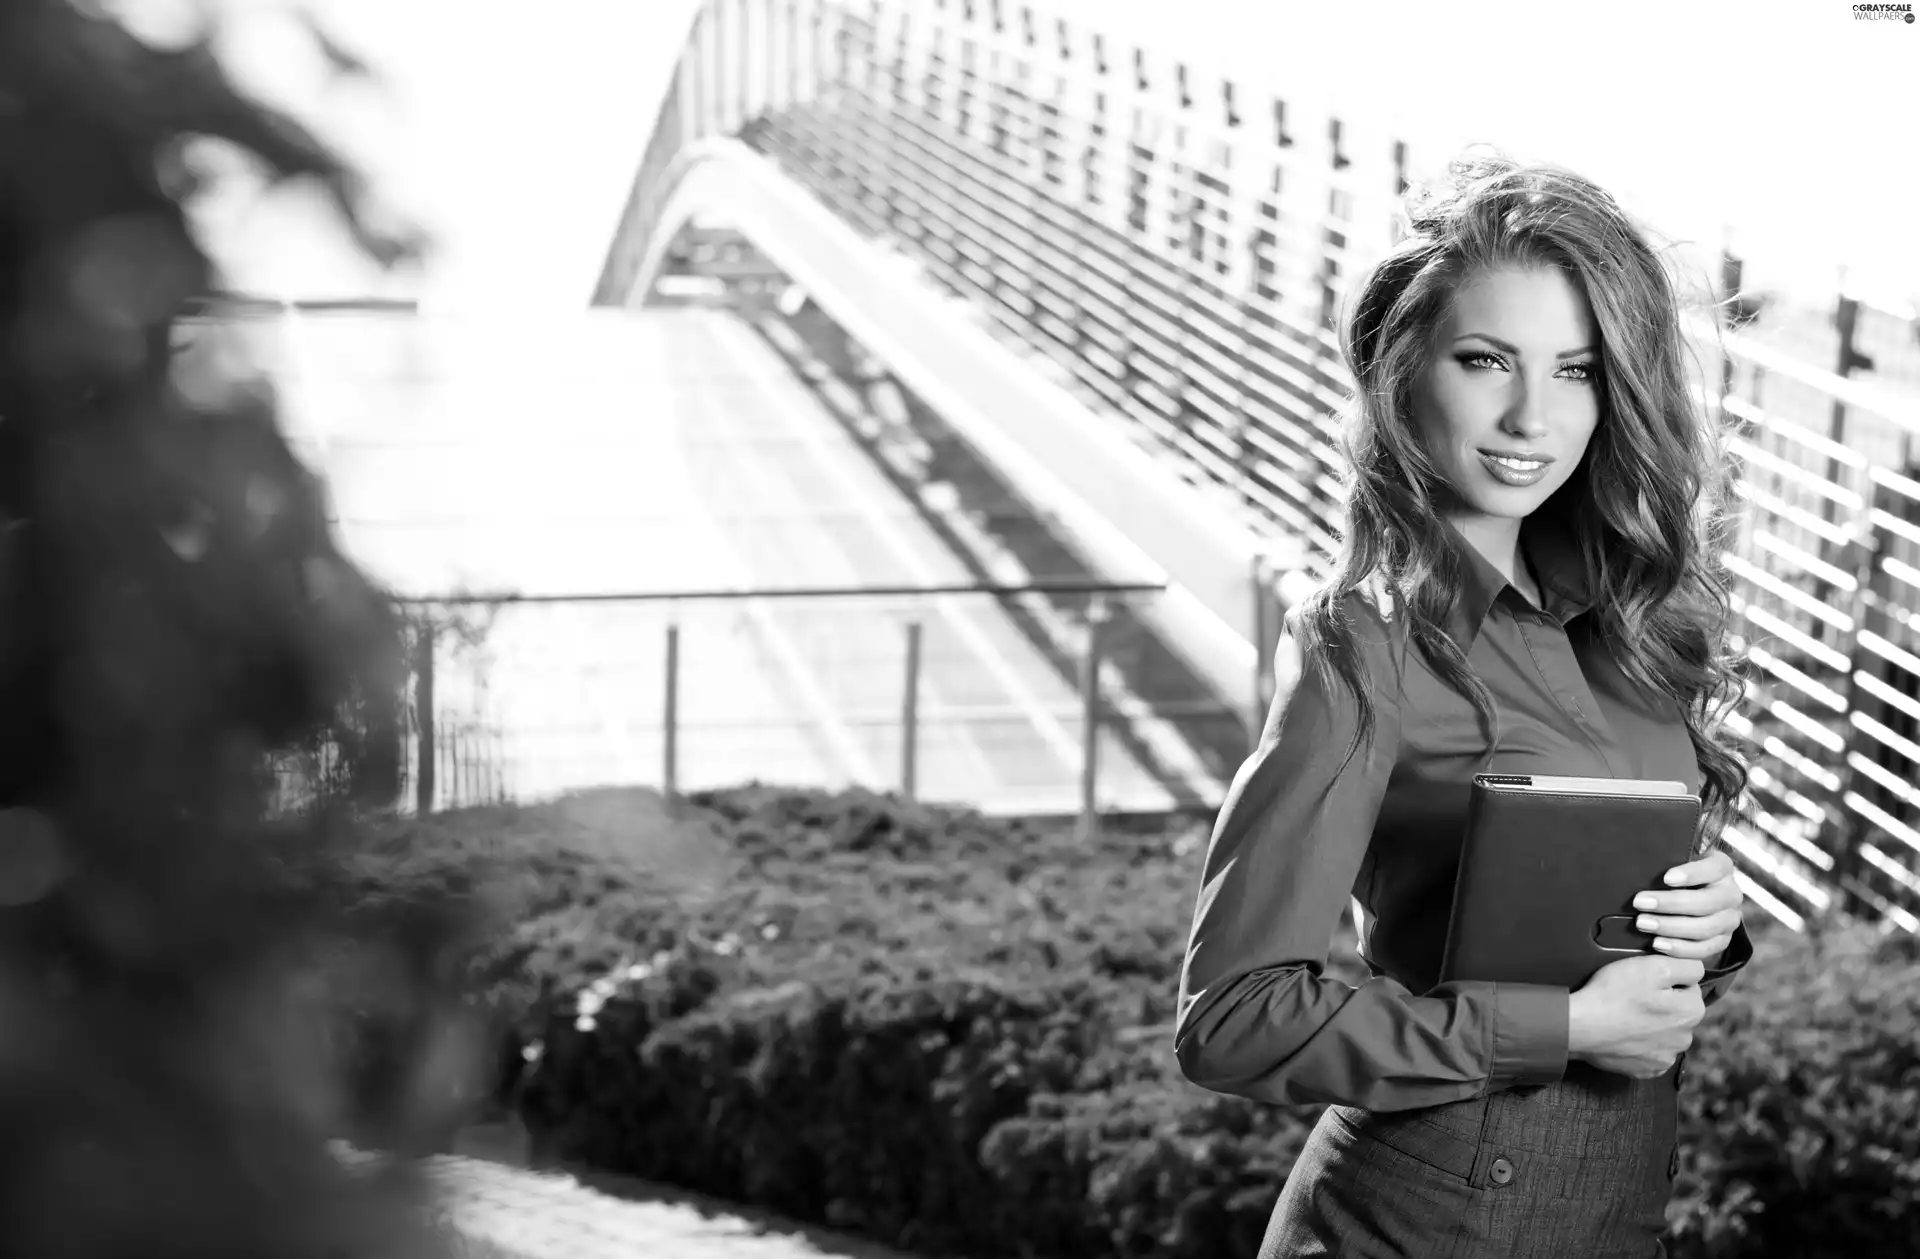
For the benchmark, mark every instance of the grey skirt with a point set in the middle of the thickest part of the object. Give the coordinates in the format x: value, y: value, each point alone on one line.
x: 1579, y: 1169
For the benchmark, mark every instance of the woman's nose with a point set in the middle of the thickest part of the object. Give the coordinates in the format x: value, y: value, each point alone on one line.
x: 1527, y: 415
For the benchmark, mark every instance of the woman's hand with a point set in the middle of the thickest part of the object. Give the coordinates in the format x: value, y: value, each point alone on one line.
x: 1698, y: 911
x: 1636, y: 1015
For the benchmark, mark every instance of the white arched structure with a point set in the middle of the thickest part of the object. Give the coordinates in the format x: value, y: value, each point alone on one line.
x: 1130, y: 515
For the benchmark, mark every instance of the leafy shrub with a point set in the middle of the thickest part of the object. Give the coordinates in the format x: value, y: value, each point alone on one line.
x: 1136, y: 1161
x: 804, y: 884
x: 890, y: 946
x: 1801, y: 1121
x: 952, y: 1033
x: 862, y: 1102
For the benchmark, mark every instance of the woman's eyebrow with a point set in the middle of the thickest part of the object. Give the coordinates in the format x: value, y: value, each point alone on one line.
x: 1514, y: 350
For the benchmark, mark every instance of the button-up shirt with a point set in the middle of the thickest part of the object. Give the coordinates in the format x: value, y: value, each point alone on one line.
x: 1258, y: 1016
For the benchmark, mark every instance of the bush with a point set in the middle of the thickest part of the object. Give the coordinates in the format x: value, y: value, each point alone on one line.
x: 794, y: 884
x: 1801, y: 1124
x: 1136, y: 1161
x: 861, y: 1103
x: 952, y: 1034
x: 683, y: 1037
x: 959, y: 1115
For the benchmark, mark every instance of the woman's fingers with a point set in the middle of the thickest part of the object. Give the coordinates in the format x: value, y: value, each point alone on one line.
x: 1702, y: 938
x: 1697, y: 913
x: 1712, y: 868
x: 1686, y: 927
x: 1703, y: 950
x: 1693, y: 902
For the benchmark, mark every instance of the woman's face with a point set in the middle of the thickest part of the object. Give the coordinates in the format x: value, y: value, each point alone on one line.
x: 1511, y: 393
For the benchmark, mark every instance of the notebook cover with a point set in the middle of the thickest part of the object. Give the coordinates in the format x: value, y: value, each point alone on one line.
x: 1546, y: 883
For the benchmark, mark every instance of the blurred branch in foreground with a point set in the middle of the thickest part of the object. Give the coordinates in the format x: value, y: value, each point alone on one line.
x: 191, y: 992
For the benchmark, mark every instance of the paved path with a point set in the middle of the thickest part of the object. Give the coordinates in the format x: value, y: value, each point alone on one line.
x: 507, y: 1211
x: 524, y: 1214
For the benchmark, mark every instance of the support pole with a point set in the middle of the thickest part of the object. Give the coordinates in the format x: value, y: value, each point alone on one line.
x: 423, y: 786
x: 1090, y: 715
x: 670, y: 718
x: 910, y: 715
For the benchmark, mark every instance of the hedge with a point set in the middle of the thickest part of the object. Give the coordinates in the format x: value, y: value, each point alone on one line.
x: 1801, y: 1120
x: 950, y: 1033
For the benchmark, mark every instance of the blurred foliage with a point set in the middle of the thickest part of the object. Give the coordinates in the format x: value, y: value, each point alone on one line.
x: 194, y: 996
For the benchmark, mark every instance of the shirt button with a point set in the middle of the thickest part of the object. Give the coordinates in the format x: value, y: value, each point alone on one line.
x: 1502, y: 1171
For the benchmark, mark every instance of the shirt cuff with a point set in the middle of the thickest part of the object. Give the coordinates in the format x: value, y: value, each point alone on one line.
x: 1529, y: 1035
x: 1715, y: 983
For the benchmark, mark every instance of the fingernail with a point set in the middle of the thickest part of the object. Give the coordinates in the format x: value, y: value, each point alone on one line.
x: 1646, y: 900
x: 1645, y: 923
x: 1676, y: 876
x: 1663, y: 944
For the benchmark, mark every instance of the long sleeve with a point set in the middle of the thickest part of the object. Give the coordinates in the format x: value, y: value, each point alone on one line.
x: 1721, y: 976
x: 1257, y: 1015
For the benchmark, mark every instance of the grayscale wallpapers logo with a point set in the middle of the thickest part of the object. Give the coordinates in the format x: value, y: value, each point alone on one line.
x: 1883, y: 13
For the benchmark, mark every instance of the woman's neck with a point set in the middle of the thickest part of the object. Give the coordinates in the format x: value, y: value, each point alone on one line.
x: 1497, y: 538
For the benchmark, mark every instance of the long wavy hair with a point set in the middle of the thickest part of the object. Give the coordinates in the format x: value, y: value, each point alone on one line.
x: 1647, y: 515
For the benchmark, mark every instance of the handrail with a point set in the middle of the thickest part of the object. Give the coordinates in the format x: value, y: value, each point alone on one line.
x: 1049, y: 586
x: 1096, y: 695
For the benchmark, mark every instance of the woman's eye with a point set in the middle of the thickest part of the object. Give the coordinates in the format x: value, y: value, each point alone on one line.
x: 1479, y: 359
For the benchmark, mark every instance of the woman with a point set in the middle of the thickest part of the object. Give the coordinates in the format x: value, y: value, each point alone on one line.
x: 1526, y: 586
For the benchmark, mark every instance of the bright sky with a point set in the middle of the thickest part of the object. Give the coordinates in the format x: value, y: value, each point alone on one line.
x: 515, y: 138
x: 1793, y: 120
x: 511, y: 131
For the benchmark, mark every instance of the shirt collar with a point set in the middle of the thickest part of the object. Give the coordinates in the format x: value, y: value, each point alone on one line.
x: 1556, y: 564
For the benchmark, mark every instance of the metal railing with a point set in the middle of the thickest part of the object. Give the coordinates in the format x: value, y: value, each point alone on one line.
x: 1178, y: 241
x: 1022, y: 690
x: 694, y: 689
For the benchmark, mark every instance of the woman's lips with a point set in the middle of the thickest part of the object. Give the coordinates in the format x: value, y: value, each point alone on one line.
x: 1515, y: 470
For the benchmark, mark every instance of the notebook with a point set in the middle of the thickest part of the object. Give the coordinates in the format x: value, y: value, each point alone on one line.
x: 1549, y: 867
